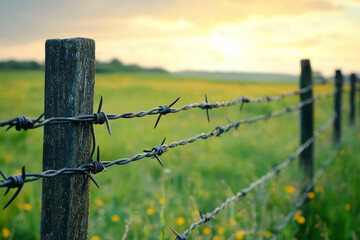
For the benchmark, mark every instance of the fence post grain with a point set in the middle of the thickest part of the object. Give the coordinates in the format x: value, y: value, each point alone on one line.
x: 352, y: 98
x: 307, y: 119
x: 337, y: 105
x: 69, y: 91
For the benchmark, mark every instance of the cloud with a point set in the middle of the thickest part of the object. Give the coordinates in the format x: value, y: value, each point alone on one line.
x: 212, y: 12
x: 28, y: 21
x: 199, y: 34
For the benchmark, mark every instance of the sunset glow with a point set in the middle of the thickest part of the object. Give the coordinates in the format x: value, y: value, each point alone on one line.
x: 226, y: 35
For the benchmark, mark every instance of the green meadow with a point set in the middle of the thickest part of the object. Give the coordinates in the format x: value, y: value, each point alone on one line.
x: 197, y: 176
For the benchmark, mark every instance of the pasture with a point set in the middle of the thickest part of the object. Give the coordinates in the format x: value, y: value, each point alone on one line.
x: 198, y: 176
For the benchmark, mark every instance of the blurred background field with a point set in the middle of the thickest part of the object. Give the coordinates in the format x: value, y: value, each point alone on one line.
x: 197, y: 176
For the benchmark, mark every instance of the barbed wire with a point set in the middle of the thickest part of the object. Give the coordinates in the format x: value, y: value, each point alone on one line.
x: 308, y: 188
x: 18, y: 180
x: 207, y: 217
x: 100, y: 117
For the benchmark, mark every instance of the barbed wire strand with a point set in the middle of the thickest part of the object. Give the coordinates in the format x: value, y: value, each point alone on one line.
x: 267, y: 176
x: 99, y: 166
x: 308, y: 188
x: 25, y: 123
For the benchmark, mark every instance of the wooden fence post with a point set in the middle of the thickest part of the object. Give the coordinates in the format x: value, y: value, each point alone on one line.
x: 69, y: 91
x: 307, y: 120
x: 337, y: 105
x: 352, y: 98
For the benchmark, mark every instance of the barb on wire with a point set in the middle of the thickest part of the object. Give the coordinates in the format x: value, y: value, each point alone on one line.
x: 244, y: 100
x: 100, y: 117
x: 157, y: 150
x: 160, y: 149
x: 15, y: 181
x: 207, y: 106
x: 308, y: 188
x: 95, y: 167
x: 21, y: 123
x: 163, y: 110
x: 262, y: 179
x: 206, y: 217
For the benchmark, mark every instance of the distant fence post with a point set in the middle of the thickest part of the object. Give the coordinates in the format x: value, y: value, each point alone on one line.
x: 307, y: 119
x: 337, y: 105
x: 352, y: 98
x: 69, y: 91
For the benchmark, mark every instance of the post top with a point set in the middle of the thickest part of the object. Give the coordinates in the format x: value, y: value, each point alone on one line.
x: 77, y: 39
x: 305, y: 63
x: 338, y: 73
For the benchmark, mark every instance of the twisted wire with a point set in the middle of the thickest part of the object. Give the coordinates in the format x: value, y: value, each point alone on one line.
x: 98, y: 166
x: 262, y: 179
x: 308, y: 188
x: 219, y: 130
x: 100, y: 117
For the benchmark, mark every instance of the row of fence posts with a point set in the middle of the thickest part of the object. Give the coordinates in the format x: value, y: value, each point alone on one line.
x: 307, y: 123
x: 69, y: 91
x: 307, y: 113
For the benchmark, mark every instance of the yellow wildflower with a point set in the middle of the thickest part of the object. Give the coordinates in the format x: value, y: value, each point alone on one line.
x: 95, y: 238
x: 17, y: 171
x: 115, y: 218
x: 27, y: 206
x: 300, y: 219
x: 268, y: 234
x: 215, y: 238
x: 319, y: 189
x: 5, y: 233
x: 150, y: 211
x: 347, y: 207
x: 99, y: 202
x: 206, y: 231
x: 239, y: 213
x: 289, y: 189
x: 232, y: 222
x: 162, y: 201
x: 310, y: 195
x: 180, y: 221
x: 221, y: 231
x: 239, y: 235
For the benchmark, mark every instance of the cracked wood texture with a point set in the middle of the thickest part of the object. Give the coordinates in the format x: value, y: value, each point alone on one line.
x: 69, y: 91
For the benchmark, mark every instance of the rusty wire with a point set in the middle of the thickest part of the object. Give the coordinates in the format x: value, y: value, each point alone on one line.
x: 241, y: 194
x: 100, y: 117
x: 308, y: 188
x: 98, y: 166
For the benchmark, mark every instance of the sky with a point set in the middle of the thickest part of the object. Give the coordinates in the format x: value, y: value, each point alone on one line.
x: 211, y: 35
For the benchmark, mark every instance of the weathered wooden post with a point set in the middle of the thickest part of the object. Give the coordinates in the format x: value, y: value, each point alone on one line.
x: 307, y: 119
x: 352, y: 98
x: 337, y: 105
x: 69, y: 91
x: 306, y: 132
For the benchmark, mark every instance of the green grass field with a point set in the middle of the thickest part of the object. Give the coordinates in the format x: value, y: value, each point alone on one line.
x: 200, y: 175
